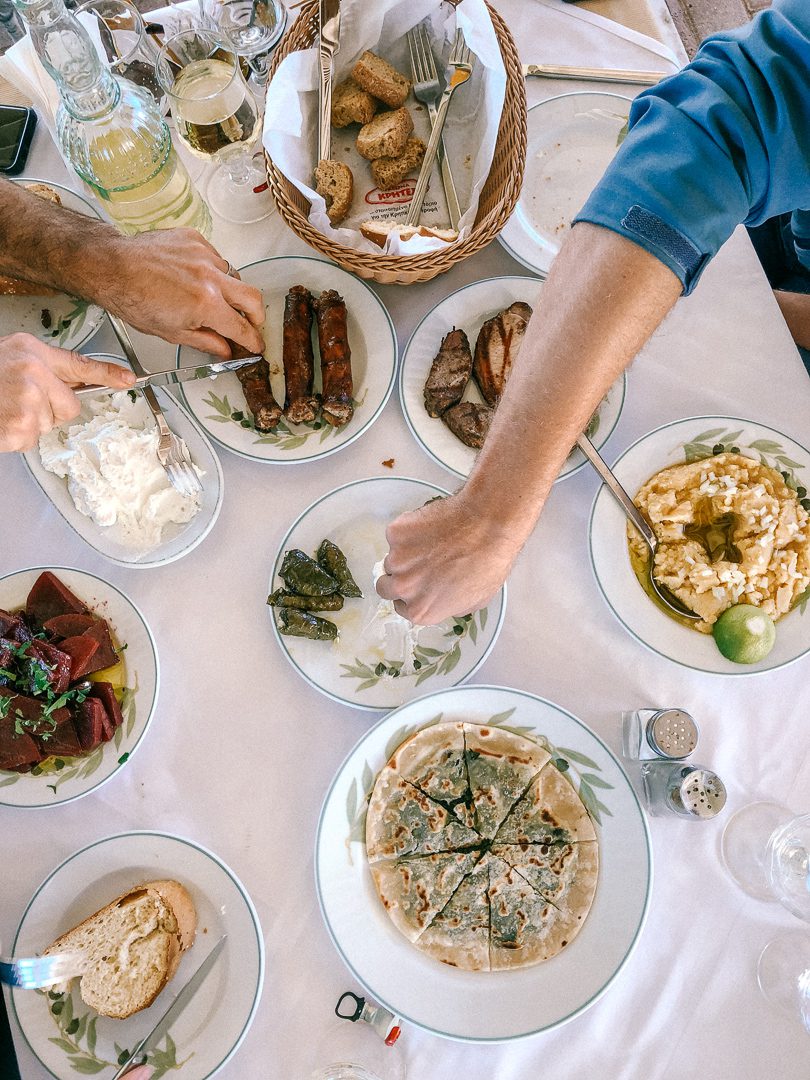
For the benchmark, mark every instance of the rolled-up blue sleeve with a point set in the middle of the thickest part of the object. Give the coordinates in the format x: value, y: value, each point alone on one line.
x: 725, y: 141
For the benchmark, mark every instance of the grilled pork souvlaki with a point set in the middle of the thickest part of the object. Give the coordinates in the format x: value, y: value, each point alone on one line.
x: 497, y: 348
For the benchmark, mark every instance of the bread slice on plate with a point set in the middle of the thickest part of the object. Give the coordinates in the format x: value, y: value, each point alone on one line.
x: 385, y: 135
x: 380, y: 79
x: 334, y: 181
x: 13, y: 286
x: 379, y: 231
x: 389, y: 172
x: 351, y: 104
x: 131, y: 947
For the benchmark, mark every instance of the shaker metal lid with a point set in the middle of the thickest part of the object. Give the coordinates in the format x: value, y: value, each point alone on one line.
x: 672, y: 733
x: 700, y: 793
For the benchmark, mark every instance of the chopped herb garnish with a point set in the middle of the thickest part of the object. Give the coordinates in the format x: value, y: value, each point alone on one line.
x: 132, y: 395
x: 5, y: 705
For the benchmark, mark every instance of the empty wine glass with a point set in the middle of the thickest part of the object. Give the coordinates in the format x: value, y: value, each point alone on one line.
x: 249, y: 27
x: 783, y: 974
x: 128, y: 50
x: 766, y: 849
x: 216, y: 118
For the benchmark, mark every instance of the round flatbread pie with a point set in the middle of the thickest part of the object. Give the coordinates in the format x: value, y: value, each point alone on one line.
x: 481, y: 851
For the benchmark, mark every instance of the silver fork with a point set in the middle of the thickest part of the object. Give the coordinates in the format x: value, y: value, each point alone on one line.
x: 172, y: 451
x: 32, y: 972
x: 428, y: 90
x: 461, y: 63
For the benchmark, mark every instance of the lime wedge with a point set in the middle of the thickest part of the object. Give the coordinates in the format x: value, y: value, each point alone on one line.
x: 744, y: 634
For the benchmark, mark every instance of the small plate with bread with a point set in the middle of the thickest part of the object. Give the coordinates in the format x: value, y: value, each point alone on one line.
x: 143, y: 909
x: 54, y: 317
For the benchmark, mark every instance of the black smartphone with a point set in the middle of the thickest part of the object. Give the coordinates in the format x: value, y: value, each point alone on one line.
x: 16, y: 130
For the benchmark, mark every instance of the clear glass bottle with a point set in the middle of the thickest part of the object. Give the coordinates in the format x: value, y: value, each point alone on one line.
x: 111, y: 131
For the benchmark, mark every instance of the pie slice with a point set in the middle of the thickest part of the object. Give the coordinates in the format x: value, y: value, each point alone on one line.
x: 402, y: 820
x: 525, y: 927
x: 550, y: 812
x: 415, y: 889
x: 459, y: 934
x: 433, y: 760
x: 500, y: 765
x: 552, y: 869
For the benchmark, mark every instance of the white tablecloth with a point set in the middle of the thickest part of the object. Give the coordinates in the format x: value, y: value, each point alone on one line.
x: 687, y: 1005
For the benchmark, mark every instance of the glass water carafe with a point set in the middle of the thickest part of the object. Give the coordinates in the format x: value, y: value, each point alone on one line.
x: 111, y: 131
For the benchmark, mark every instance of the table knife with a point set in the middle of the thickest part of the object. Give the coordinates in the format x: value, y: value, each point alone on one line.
x: 172, y: 375
x: 609, y: 75
x: 174, y: 1010
x: 328, y: 45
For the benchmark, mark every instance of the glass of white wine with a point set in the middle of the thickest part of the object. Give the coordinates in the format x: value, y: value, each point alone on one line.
x: 217, y: 119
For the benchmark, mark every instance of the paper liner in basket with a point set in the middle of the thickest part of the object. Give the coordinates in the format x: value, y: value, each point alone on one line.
x: 470, y: 133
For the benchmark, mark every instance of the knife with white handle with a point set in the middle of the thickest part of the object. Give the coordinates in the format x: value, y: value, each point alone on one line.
x: 609, y: 75
x: 171, y: 376
x: 174, y: 1010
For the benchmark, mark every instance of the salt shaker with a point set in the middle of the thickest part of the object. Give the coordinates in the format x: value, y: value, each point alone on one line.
x: 649, y: 734
x: 691, y: 791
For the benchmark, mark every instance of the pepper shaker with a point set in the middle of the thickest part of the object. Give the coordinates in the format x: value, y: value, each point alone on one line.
x: 690, y: 791
x: 649, y: 734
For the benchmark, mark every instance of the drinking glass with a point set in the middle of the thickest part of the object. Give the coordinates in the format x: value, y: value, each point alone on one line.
x: 217, y: 119
x: 249, y: 27
x: 355, y: 1052
x: 783, y: 974
x: 128, y: 50
x: 766, y: 849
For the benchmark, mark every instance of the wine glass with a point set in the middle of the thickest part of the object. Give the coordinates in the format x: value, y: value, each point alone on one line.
x: 216, y: 118
x: 766, y: 849
x: 783, y: 974
x: 128, y: 50
x: 249, y: 27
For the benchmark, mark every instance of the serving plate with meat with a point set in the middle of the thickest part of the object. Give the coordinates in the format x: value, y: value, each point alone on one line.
x: 457, y: 363
x: 78, y: 684
x: 328, y: 371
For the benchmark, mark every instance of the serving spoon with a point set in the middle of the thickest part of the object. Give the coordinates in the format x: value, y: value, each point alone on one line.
x: 634, y: 515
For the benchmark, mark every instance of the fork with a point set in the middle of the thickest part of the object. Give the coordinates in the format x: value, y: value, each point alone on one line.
x: 172, y: 451
x: 461, y: 63
x: 32, y: 972
x: 427, y: 89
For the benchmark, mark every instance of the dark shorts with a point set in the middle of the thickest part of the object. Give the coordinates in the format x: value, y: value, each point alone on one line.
x: 773, y: 243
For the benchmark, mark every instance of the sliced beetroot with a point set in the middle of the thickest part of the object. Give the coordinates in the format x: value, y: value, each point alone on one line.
x: 58, y: 664
x: 88, y: 720
x: 106, y: 655
x: 14, y: 627
x: 17, y: 752
x: 107, y: 725
x: 63, y: 742
x: 106, y: 695
x: 66, y: 626
x: 81, y: 651
x: 50, y: 597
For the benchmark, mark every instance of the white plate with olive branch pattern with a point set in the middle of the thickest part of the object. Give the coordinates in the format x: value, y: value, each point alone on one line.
x: 572, y: 138
x: 493, y: 1006
x: 60, y: 320
x: 59, y: 780
x: 219, y: 404
x: 685, y: 441
x: 467, y: 309
x: 70, y: 1039
x: 355, y: 670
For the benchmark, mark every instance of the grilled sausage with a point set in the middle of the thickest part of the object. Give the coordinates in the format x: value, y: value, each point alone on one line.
x: 336, y: 359
x: 255, y: 380
x: 300, y: 404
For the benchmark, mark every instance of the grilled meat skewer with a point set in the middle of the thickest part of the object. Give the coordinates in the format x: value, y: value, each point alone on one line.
x: 449, y: 373
x: 255, y: 380
x: 496, y: 349
x: 300, y: 404
x: 336, y: 359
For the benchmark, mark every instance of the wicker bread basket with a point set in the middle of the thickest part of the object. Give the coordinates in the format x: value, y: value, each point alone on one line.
x: 498, y: 197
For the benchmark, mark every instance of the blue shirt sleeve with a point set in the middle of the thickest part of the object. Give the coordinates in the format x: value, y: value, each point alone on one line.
x: 725, y: 141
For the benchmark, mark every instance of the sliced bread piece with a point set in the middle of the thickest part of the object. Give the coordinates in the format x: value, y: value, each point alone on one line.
x: 385, y: 135
x: 351, y: 104
x: 334, y: 181
x: 389, y: 172
x: 379, y: 231
x: 131, y: 947
x: 380, y: 79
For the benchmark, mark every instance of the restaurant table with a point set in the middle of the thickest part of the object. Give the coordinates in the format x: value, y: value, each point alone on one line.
x: 686, y: 1005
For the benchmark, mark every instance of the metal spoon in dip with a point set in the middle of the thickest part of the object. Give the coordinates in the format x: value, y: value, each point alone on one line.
x: 634, y: 515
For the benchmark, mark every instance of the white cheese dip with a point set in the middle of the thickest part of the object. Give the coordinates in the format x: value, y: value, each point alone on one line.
x: 396, y: 637
x: 108, y: 456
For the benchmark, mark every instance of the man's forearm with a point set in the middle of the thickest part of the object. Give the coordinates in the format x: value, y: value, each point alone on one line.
x: 603, y: 300
x: 50, y: 245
